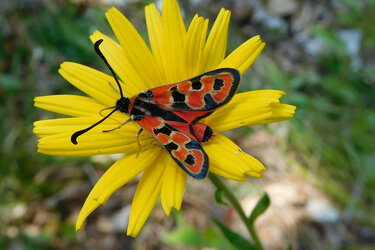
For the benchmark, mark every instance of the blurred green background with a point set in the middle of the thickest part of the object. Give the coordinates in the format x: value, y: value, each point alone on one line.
x: 321, y: 164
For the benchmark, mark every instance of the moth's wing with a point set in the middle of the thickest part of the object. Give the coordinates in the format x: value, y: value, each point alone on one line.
x: 205, y: 92
x: 182, y: 146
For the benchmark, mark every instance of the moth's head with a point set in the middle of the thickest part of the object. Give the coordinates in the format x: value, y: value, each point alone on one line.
x: 122, y: 104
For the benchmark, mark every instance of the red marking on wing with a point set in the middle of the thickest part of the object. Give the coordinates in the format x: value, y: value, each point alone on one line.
x: 207, y: 83
x: 195, y: 100
x: 180, y: 138
x: 184, y: 87
x: 163, y: 139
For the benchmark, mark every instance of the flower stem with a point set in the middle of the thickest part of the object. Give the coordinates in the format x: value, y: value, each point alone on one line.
x: 237, y: 206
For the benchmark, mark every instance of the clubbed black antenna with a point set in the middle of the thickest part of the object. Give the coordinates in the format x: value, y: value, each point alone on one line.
x: 97, y: 50
x: 80, y: 132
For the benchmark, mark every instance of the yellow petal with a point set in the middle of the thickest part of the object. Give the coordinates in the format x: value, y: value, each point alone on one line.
x: 230, y: 161
x: 173, y: 186
x: 248, y: 109
x: 244, y: 55
x: 174, y: 38
x: 202, y: 44
x: 195, y: 41
x: 94, y: 142
x: 116, y: 176
x: 90, y: 81
x: 134, y: 47
x: 71, y: 105
x: 116, y: 57
x: 155, y: 34
x: 216, y: 45
x: 63, y: 125
x: 281, y: 112
x: 251, y: 58
x: 254, y: 174
x: 147, y: 193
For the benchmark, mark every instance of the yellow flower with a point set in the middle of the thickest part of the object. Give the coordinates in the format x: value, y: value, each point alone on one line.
x: 175, y: 55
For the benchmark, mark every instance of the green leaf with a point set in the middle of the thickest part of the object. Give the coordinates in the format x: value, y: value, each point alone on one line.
x: 68, y: 231
x: 186, y: 236
x: 260, y: 208
x: 10, y: 83
x: 329, y: 36
x: 236, y: 239
x: 219, y: 197
x: 183, y: 235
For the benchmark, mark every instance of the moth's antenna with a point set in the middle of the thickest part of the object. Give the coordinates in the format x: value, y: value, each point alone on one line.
x: 97, y: 50
x: 80, y: 132
x: 110, y: 84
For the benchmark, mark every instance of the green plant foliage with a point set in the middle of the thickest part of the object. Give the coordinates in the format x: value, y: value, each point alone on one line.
x: 219, y: 197
x: 236, y: 239
x: 185, y: 235
x: 260, y: 208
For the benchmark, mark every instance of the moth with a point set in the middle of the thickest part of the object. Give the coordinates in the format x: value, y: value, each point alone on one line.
x: 171, y: 113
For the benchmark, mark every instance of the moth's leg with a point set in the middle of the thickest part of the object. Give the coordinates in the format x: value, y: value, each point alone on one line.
x: 139, y: 144
x: 122, y: 124
x: 202, y: 131
x: 101, y: 111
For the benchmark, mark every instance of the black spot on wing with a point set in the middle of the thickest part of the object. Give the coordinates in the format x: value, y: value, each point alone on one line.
x: 177, y: 96
x: 219, y: 83
x: 163, y: 130
x: 190, y: 159
x: 196, y: 84
x: 171, y: 146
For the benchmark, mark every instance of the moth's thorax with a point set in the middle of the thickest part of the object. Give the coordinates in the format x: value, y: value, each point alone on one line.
x: 122, y: 104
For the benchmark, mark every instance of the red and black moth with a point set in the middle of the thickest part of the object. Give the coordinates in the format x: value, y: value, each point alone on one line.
x: 171, y: 113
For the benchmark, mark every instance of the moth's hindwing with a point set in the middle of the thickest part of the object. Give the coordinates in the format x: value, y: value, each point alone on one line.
x: 184, y: 149
x: 205, y: 92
